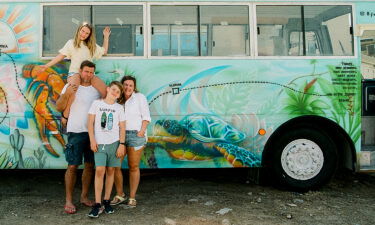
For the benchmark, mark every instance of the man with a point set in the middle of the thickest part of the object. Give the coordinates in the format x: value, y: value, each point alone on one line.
x: 78, y: 146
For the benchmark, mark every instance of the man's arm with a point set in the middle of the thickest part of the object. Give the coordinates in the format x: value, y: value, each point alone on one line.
x: 63, y: 100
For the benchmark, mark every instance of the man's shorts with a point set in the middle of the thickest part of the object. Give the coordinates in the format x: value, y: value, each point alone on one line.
x: 106, y: 155
x: 78, y: 146
x: 132, y: 140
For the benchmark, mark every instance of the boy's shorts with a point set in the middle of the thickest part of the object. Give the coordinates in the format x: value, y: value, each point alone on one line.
x: 132, y: 140
x: 106, y: 155
x: 78, y: 147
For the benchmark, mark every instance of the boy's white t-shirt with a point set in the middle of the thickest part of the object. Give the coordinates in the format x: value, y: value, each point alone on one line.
x: 83, y: 99
x: 78, y: 55
x: 107, y: 119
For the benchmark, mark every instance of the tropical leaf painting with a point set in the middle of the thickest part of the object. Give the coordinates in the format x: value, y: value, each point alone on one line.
x: 7, y: 162
x: 320, y: 96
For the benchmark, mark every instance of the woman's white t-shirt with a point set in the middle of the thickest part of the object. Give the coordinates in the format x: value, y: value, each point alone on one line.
x: 78, y: 55
x: 107, y: 121
x: 136, y: 110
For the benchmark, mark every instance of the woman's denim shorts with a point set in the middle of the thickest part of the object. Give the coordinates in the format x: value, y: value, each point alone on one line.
x: 132, y: 140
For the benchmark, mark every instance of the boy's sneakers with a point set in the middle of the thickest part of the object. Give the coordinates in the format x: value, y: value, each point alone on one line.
x: 107, y: 207
x: 96, y: 210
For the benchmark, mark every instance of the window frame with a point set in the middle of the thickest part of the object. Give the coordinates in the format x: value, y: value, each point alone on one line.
x: 150, y: 4
x: 353, y: 19
x: 124, y: 56
x: 253, y: 39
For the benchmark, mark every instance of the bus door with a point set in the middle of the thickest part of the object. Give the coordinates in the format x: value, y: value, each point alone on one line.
x: 367, y: 49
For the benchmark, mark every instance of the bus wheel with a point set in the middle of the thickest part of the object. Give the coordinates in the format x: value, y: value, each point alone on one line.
x: 304, y: 159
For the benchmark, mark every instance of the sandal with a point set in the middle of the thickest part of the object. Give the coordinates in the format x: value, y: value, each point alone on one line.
x: 70, y: 209
x: 118, y: 200
x: 132, y: 203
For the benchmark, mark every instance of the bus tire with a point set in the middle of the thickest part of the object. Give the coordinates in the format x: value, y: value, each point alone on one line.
x: 303, y: 159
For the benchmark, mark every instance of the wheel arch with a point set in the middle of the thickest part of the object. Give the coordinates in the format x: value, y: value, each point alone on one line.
x: 344, y: 144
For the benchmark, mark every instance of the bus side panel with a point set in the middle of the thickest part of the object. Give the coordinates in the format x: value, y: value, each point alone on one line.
x: 205, y: 113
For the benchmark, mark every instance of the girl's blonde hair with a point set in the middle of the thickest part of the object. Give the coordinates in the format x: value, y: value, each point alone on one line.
x: 90, y: 41
x: 121, y: 99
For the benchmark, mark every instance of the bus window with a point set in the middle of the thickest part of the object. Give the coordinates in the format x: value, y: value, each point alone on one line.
x: 126, y: 22
x: 368, y: 54
x: 126, y: 26
x: 227, y: 30
x: 174, y: 31
x: 60, y: 24
x: 331, y: 25
x: 272, y: 33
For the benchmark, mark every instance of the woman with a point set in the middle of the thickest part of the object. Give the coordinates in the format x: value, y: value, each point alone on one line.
x: 82, y: 47
x: 137, y: 116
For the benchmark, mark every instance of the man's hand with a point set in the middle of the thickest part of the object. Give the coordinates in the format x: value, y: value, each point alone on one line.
x: 71, y: 89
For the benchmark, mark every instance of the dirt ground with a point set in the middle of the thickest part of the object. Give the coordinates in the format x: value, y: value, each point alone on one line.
x: 196, y: 196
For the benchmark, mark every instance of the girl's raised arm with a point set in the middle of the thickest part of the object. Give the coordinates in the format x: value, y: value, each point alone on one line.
x: 106, y: 33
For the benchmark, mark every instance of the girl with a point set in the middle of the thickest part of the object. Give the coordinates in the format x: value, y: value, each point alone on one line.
x: 106, y: 126
x: 82, y: 48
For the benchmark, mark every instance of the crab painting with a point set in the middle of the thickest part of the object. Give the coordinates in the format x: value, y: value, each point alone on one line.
x: 200, y: 137
x: 44, y: 90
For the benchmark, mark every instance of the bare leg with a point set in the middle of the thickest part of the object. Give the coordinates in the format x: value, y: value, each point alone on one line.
x: 119, y: 181
x: 99, y: 85
x: 87, y: 174
x: 134, y: 157
x: 70, y: 180
x: 72, y: 80
x: 99, y: 176
x: 109, y: 182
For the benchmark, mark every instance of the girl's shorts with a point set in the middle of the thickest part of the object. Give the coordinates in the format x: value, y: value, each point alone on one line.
x: 132, y: 140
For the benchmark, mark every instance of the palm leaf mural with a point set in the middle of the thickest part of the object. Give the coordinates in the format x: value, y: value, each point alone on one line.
x: 7, y: 162
x: 304, y: 102
x: 230, y: 98
x: 343, y: 111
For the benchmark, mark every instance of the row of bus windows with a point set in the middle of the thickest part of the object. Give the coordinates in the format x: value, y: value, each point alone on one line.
x: 207, y: 30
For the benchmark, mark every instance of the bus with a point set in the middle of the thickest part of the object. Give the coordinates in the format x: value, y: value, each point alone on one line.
x: 288, y: 86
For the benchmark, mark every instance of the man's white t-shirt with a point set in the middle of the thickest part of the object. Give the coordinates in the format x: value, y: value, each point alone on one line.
x: 83, y: 99
x: 107, y: 121
x: 78, y: 55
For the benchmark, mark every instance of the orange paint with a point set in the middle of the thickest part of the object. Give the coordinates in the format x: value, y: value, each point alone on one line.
x: 16, y: 12
x: 26, y: 39
x: 262, y: 132
x: 2, y: 11
x: 23, y: 25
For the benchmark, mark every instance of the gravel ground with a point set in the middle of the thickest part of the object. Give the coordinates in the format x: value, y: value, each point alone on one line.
x: 195, y: 196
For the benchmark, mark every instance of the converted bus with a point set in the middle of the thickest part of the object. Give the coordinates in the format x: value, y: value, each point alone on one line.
x: 284, y: 85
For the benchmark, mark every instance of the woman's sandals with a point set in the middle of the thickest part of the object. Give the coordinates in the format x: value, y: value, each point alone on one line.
x: 118, y: 200
x: 132, y: 203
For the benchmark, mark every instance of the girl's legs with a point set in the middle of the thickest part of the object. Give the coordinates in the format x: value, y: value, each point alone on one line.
x: 99, y: 85
x: 72, y: 80
x: 109, y: 182
x: 134, y: 158
x: 99, y: 176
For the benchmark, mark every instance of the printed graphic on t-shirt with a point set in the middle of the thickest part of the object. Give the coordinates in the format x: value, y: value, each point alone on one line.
x: 106, y: 121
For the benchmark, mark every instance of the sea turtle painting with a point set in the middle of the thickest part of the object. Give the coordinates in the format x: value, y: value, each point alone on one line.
x: 199, y: 137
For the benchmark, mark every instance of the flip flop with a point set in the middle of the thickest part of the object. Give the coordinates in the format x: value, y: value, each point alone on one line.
x: 88, y: 204
x: 70, y: 209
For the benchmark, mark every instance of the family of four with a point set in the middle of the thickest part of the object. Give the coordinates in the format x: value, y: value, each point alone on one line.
x: 104, y: 124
